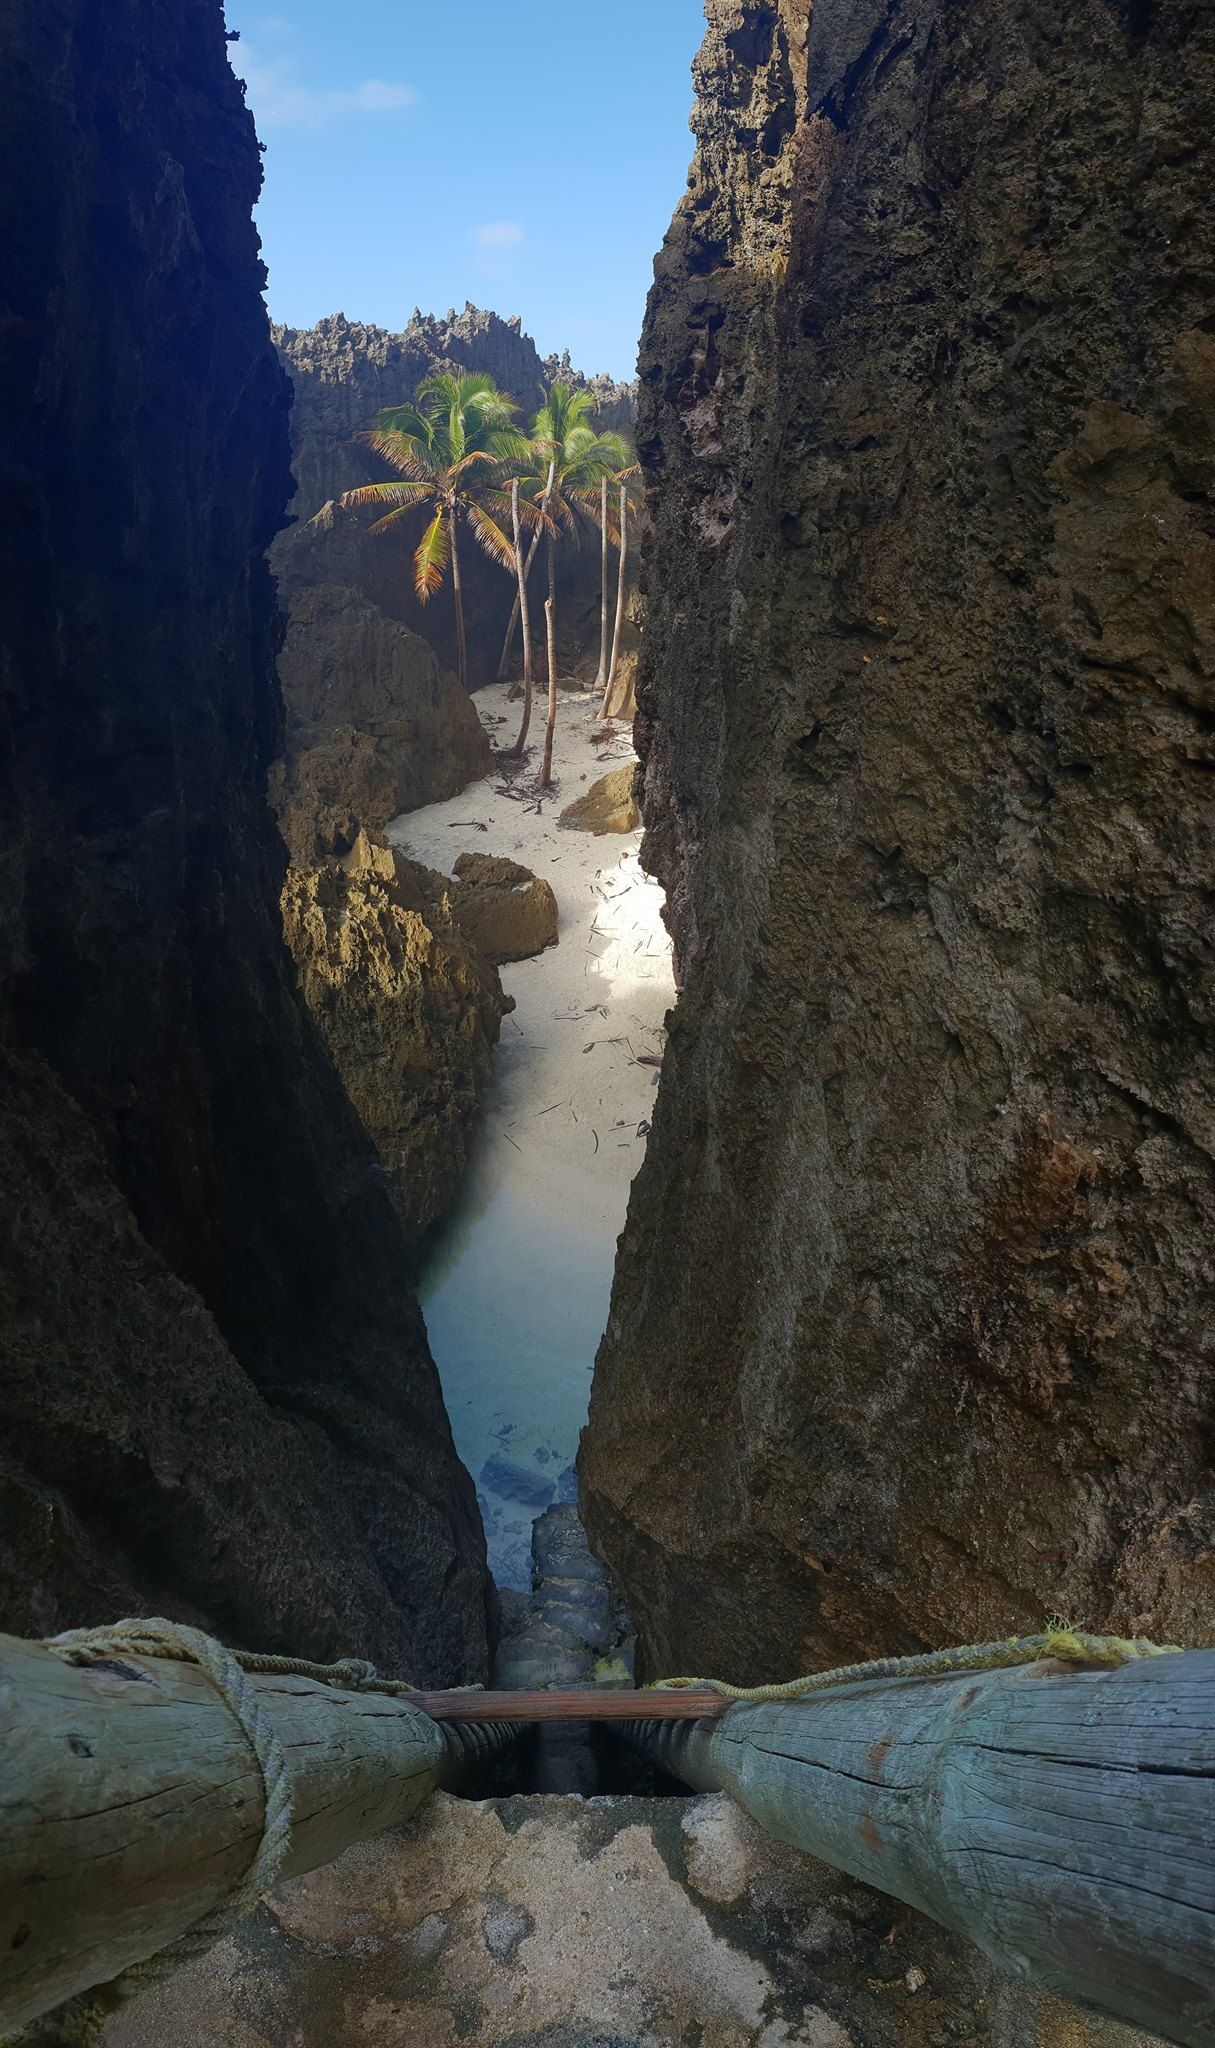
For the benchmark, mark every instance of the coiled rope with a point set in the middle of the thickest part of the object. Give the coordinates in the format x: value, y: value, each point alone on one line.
x: 79, y: 2020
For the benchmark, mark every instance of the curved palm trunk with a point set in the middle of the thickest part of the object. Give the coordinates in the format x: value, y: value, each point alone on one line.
x: 550, y: 619
x: 508, y: 643
x: 620, y: 572
x: 458, y: 595
x: 601, y: 679
x: 521, y: 602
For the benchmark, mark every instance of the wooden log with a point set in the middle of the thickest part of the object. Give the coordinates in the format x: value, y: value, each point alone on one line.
x: 1063, y: 1820
x: 130, y: 1803
x: 592, y: 1703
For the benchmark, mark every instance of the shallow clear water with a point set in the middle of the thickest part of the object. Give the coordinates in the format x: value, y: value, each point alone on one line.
x: 516, y: 1298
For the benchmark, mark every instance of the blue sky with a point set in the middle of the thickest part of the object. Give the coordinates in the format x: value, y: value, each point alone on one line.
x: 525, y: 156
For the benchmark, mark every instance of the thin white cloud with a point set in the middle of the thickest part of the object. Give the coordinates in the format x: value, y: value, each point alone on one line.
x: 499, y: 234
x: 280, y: 98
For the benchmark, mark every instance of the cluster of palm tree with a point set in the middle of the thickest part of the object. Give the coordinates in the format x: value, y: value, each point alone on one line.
x: 463, y: 462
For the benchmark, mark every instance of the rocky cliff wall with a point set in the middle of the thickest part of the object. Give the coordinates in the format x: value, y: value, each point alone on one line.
x: 912, y: 1325
x: 218, y: 1400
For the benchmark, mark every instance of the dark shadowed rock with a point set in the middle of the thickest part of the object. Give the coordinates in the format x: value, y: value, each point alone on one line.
x: 911, y: 1339
x: 374, y: 725
x: 218, y: 1398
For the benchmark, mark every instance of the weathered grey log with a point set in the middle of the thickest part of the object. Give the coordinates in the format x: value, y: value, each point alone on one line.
x: 1064, y: 1821
x: 130, y: 1803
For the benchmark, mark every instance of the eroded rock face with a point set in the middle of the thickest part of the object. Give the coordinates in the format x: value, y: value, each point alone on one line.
x: 374, y: 725
x: 218, y: 1399
x: 409, y: 1009
x: 912, y: 1327
x: 608, y: 1923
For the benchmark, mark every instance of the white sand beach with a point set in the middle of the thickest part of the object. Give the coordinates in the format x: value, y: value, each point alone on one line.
x: 516, y: 1295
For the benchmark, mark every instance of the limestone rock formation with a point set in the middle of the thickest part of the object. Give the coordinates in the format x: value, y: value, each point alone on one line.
x: 568, y: 1923
x: 502, y: 908
x: 218, y: 1399
x: 409, y: 1009
x: 608, y: 806
x: 911, y: 1340
x: 374, y: 725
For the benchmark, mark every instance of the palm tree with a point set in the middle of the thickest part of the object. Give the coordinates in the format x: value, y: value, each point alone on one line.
x: 568, y: 462
x: 608, y: 662
x: 520, y: 612
x: 448, y: 447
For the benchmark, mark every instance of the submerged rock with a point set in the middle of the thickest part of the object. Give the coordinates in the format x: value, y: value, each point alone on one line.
x: 608, y: 806
x: 511, y: 1481
x: 410, y: 1011
x: 502, y: 908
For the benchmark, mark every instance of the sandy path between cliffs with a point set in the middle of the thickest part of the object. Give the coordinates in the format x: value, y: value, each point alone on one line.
x: 516, y: 1294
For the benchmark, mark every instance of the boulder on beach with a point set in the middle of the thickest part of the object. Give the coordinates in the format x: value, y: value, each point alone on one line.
x: 502, y: 908
x: 608, y: 806
x: 374, y: 723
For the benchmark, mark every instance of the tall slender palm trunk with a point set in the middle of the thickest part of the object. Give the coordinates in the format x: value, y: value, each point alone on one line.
x: 508, y: 643
x: 620, y: 575
x: 602, y: 676
x: 457, y: 593
x: 521, y: 600
x: 550, y: 620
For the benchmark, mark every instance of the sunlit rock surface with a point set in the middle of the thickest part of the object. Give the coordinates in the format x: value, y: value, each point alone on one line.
x: 604, y: 1923
x: 608, y: 806
x: 911, y: 1341
x: 409, y: 1008
x: 503, y: 909
x: 218, y: 1398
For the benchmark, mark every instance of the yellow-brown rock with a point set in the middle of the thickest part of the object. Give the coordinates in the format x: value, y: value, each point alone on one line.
x: 502, y: 908
x: 608, y: 806
x: 409, y: 1009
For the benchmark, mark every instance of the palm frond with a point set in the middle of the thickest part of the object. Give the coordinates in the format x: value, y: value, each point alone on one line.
x: 405, y: 419
x: 394, y: 519
x: 564, y: 408
x: 532, y: 518
x: 490, y: 535
x: 510, y: 445
x: 385, y: 494
x: 418, y: 459
x: 430, y: 558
